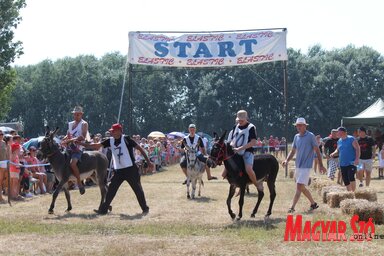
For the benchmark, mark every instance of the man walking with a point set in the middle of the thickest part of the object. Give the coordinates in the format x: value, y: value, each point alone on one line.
x: 367, y: 154
x: 348, y: 151
x: 304, y: 144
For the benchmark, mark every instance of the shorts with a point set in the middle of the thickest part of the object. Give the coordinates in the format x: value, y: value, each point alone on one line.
x: 348, y: 174
x: 76, y: 155
x: 333, y: 164
x: 302, y: 175
x: 248, y: 158
x: 367, y: 164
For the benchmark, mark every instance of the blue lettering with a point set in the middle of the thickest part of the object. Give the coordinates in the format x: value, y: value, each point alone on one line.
x: 203, y: 49
x: 248, y: 45
x: 226, y: 47
x: 182, y: 49
x: 161, y: 49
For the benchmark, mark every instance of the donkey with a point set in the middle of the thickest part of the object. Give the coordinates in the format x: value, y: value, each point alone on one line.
x: 265, y: 167
x: 195, y: 170
x: 91, y: 162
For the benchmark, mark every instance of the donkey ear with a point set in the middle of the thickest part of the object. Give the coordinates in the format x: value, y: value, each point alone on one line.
x: 223, y: 136
x: 46, y: 131
x: 55, y: 131
x: 215, y: 136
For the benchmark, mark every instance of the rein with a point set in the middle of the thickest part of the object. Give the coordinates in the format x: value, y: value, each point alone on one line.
x: 222, y: 153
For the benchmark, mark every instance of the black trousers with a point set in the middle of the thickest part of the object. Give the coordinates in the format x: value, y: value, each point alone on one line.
x: 132, y: 176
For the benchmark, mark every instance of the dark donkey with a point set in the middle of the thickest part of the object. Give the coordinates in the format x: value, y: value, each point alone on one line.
x: 264, y: 166
x: 92, y: 162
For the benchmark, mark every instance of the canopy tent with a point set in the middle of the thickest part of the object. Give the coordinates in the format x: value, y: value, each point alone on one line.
x: 372, y: 116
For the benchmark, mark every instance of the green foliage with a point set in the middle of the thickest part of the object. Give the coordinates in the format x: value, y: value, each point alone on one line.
x: 9, y: 50
x: 323, y: 86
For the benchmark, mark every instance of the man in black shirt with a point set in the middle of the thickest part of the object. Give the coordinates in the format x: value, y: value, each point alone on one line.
x: 124, y: 165
x: 330, y: 146
x: 367, y: 149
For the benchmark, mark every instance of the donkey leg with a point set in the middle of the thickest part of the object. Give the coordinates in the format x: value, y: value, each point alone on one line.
x: 188, y: 184
x: 54, y: 196
x: 193, y: 187
x: 241, y: 202
x: 272, y: 192
x: 103, y: 192
x: 259, y: 199
x: 68, y: 197
x: 231, y: 193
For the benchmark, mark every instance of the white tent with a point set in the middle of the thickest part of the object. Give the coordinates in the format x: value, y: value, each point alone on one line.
x: 372, y: 116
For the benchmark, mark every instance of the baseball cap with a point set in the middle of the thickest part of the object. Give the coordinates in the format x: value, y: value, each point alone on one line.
x: 116, y: 127
x: 192, y: 126
x: 341, y: 129
x: 241, y: 115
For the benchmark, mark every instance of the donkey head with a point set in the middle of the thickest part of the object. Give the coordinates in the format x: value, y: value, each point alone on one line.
x: 191, y: 155
x: 218, y: 149
x: 48, y: 146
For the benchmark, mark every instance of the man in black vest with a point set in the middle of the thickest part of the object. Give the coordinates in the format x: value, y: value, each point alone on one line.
x: 124, y: 164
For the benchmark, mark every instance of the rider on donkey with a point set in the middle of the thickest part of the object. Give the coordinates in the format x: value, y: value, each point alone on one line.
x: 77, y: 131
x: 243, y: 138
x: 193, y: 140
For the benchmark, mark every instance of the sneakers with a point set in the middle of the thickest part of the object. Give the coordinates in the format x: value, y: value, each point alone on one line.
x: 313, y: 206
x: 212, y: 178
x: 28, y: 195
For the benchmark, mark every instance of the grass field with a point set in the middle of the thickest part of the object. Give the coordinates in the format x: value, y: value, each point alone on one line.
x: 174, y: 226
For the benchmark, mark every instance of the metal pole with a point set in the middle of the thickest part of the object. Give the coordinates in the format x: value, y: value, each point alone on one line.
x: 285, y: 112
x: 130, y: 98
x: 9, y: 184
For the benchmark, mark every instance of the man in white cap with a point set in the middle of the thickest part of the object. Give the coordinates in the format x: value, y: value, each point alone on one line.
x: 193, y: 140
x: 243, y: 138
x: 304, y: 144
x: 77, y: 131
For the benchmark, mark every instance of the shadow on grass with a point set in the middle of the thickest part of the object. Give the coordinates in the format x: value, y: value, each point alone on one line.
x: 267, y: 224
x: 131, y: 217
x: 203, y: 199
x: 69, y: 215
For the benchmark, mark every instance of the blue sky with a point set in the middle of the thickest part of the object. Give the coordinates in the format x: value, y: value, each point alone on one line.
x: 53, y: 29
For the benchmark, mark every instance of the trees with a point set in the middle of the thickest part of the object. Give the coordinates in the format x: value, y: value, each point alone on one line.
x: 323, y: 86
x: 9, y: 50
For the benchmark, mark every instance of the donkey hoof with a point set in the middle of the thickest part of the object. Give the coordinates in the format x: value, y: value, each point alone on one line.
x: 50, y: 211
x: 188, y: 196
x: 233, y: 216
x: 252, y: 215
x: 110, y: 208
x: 238, y: 218
x: 68, y: 210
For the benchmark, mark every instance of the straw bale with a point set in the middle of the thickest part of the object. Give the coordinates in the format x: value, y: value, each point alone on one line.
x: 334, y: 198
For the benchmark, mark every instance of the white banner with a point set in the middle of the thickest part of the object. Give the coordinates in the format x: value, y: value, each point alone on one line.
x: 207, y: 49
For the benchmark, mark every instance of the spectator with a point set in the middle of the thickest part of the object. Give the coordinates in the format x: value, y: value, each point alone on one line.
x: 330, y: 146
x: 304, y: 143
x: 37, y: 172
x: 15, y: 172
x: 381, y: 161
x: 367, y: 154
x: 348, y: 151
x: 4, y: 156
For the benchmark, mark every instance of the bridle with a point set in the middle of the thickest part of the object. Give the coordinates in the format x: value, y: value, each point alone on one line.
x: 222, y: 154
x: 50, y: 149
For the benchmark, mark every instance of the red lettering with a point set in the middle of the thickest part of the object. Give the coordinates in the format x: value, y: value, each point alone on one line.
x: 324, y: 229
x: 316, y: 233
x: 306, y: 232
x: 342, y: 227
x: 293, y: 229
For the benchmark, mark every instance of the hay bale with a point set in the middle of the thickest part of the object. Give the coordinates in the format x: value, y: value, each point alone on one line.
x: 319, y: 183
x: 364, y: 209
x: 334, y: 198
x: 328, y: 189
x: 366, y: 193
